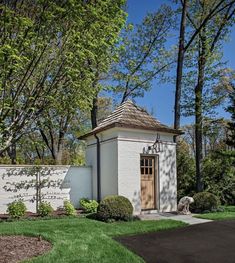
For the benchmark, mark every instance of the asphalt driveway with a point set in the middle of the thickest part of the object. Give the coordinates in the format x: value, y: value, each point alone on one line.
x: 212, y: 242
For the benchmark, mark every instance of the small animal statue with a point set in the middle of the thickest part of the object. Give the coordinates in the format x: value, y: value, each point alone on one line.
x: 183, y: 206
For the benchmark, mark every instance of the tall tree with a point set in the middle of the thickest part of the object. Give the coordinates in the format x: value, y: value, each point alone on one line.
x: 214, y: 8
x: 143, y: 55
x: 55, y: 123
x: 47, y: 44
x: 214, y: 134
x: 180, y: 61
x: 52, y: 139
x: 231, y: 124
x: 62, y: 122
x: 225, y: 89
x: 207, y: 46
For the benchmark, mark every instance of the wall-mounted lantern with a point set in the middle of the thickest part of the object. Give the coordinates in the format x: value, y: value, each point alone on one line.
x: 155, y: 148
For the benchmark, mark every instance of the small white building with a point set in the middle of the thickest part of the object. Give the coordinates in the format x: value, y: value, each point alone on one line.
x: 134, y: 155
x: 130, y: 154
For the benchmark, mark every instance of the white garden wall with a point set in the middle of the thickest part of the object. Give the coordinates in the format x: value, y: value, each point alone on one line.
x: 72, y: 183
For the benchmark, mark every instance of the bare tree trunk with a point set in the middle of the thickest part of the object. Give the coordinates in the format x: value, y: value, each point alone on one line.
x: 94, y: 112
x: 11, y: 151
x: 59, y: 154
x: 198, y: 113
x: 55, y: 140
x: 183, y: 47
x: 180, y: 63
x: 37, y: 191
x: 205, y: 145
x: 124, y: 96
x: 198, y: 135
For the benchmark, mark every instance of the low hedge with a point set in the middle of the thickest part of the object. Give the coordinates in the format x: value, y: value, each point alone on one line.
x: 69, y: 208
x: 16, y: 209
x: 89, y: 206
x: 45, y: 209
x: 115, y: 208
x: 204, y: 201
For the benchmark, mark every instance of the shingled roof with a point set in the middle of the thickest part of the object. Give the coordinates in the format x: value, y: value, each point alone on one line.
x: 129, y: 115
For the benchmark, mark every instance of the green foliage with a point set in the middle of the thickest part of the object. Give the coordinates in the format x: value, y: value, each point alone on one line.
x: 49, y: 53
x: 228, y: 208
x: 208, y: 42
x: 115, y: 207
x: 231, y: 125
x: 219, y: 175
x: 45, y: 209
x: 185, y: 171
x: 218, y: 171
x: 16, y: 209
x: 89, y: 206
x: 69, y: 208
x: 204, y: 201
x: 142, y: 54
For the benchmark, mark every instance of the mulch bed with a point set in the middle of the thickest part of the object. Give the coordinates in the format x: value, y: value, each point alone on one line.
x: 30, y: 215
x: 17, y: 248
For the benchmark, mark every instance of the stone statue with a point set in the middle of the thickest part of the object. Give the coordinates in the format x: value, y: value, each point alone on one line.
x: 183, y: 206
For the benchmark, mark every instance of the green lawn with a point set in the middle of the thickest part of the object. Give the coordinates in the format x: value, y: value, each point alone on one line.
x: 228, y: 213
x: 84, y: 240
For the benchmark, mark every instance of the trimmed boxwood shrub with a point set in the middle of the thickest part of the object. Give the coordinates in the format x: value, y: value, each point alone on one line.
x: 69, y: 208
x: 89, y: 206
x: 44, y: 209
x: 205, y: 201
x: 16, y: 209
x: 115, y: 208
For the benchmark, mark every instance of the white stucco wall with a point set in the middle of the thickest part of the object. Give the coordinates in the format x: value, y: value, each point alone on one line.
x: 129, y: 172
x: 109, y: 168
x: 80, y: 184
x: 108, y: 162
x: 120, y: 162
x: 73, y: 184
x: 168, y: 178
x: 129, y: 181
x: 91, y: 160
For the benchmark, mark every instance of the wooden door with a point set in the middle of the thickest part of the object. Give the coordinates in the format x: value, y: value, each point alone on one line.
x: 147, y: 170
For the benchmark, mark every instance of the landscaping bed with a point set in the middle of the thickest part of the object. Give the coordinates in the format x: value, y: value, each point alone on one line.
x: 17, y: 248
x: 30, y: 215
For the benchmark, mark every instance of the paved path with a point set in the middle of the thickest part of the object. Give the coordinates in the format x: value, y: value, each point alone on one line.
x: 212, y: 242
x: 189, y: 219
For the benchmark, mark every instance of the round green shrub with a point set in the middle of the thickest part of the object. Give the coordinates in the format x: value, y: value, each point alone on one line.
x: 205, y: 201
x: 115, y: 207
x: 69, y: 208
x: 16, y: 209
x: 89, y: 206
x: 44, y: 209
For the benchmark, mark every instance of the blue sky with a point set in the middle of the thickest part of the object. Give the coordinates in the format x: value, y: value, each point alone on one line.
x: 160, y: 99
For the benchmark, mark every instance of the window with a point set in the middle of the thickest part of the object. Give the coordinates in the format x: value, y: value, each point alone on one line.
x: 147, y: 166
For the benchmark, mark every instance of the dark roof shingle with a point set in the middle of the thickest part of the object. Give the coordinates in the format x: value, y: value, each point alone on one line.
x: 129, y: 115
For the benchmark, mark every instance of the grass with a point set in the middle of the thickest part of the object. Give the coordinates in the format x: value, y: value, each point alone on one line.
x: 228, y: 213
x: 82, y: 240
